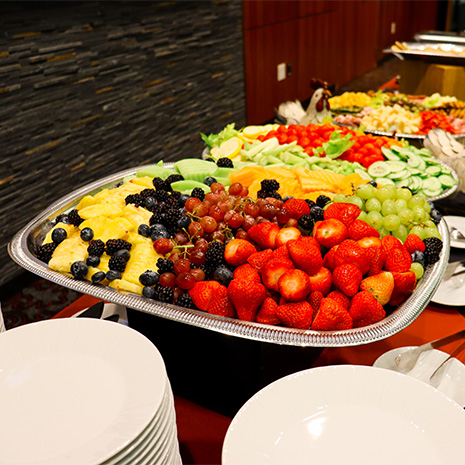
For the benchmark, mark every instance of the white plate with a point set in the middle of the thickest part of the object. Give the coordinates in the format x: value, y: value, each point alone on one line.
x: 75, y: 390
x: 459, y: 223
x: 349, y: 415
x: 452, y: 291
x: 453, y: 379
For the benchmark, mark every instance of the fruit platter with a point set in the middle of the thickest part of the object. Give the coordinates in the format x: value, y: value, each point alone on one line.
x: 188, y: 242
x: 399, y: 114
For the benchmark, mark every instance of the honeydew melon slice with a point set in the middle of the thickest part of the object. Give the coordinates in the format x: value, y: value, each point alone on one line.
x: 155, y: 171
x: 188, y: 185
x: 195, y: 169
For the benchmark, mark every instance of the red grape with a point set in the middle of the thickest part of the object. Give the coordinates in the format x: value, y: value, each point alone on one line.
x: 167, y: 279
x: 186, y: 281
x: 235, y: 188
x: 163, y: 246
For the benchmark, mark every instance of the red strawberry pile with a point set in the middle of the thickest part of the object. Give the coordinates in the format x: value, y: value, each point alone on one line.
x: 343, y: 276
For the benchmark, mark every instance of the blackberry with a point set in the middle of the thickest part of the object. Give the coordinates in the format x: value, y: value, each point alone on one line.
x: 87, y: 234
x: 44, y: 252
x: 135, y: 199
x: 274, y: 195
x: 174, y: 199
x: 162, y: 196
x: 433, y: 247
x: 310, y: 203
x: 206, y: 268
x: 209, y: 180
x: 174, y: 178
x: 165, y: 265
x: 317, y: 213
x: 223, y: 275
x: 113, y: 245
x: 185, y: 300
x: 322, y: 201
x: 96, y: 247
x: 74, y: 218
x: 79, y: 269
x: 306, y: 222
x: 146, y: 193
x: 215, y: 254
x: 198, y: 193
x: 164, y: 294
x: 288, y: 197
x: 225, y: 162
x: 117, y: 263
x: 435, y: 216
x: 269, y: 185
x: 161, y: 185
x: 62, y: 218
x: 262, y: 194
x: 59, y: 235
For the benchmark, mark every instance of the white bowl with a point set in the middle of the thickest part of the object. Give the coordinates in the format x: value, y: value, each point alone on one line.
x: 453, y: 379
x: 347, y: 415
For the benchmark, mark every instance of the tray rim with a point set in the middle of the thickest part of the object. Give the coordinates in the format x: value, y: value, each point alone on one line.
x: 404, y: 315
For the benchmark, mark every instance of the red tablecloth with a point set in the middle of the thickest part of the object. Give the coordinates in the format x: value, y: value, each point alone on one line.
x: 201, y: 431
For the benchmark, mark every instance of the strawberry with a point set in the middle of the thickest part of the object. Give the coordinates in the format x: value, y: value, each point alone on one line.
x: 264, y: 234
x: 202, y: 292
x: 246, y: 297
x: 330, y: 232
x: 287, y: 234
x: 390, y: 242
x: 311, y: 240
x: 280, y: 252
x: 365, y: 309
x: 360, y: 229
x: 297, y: 208
x: 305, y: 256
x: 268, y: 312
x: 347, y: 278
x: 340, y: 298
x: 380, y: 285
x: 369, y: 241
x: 294, y: 285
x: 273, y: 270
x: 258, y: 259
x: 377, y: 258
x: 398, y: 259
x: 328, y: 261
x: 321, y: 281
x: 238, y: 251
x: 345, y: 212
x: 414, y: 243
x: 248, y: 272
x: 296, y: 315
x: 404, y: 285
x: 331, y: 316
x: 349, y: 251
x: 220, y: 304
x: 314, y: 299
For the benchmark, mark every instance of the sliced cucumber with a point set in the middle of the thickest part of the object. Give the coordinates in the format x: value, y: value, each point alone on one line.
x: 433, y: 170
x: 413, y: 161
x: 402, y: 183
x: 397, y: 166
x: 384, y: 181
x: 403, y: 174
x: 447, y: 181
x: 379, y: 169
x: 432, y: 184
x: 389, y: 154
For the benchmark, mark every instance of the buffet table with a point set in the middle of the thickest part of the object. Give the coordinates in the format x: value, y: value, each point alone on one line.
x: 201, y: 428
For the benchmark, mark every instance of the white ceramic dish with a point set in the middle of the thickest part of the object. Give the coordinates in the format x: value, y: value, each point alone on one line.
x: 453, y: 379
x: 459, y: 223
x: 347, y: 415
x: 452, y: 291
x: 79, y: 390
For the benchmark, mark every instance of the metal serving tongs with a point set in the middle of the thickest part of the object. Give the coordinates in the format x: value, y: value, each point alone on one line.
x: 436, y: 377
x: 407, y: 360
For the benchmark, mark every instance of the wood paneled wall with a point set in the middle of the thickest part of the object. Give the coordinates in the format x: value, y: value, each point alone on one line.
x: 335, y: 40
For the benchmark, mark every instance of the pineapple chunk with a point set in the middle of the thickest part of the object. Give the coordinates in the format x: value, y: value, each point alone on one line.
x: 102, y: 195
x: 70, y: 250
x: 69, y: 228
x: 106, y: 228
x: 145, y: 181
x: 143, y: 258
x: 108, y: 210
x: 126, y: 286
x: 136, y: 215
x: 98, y: 225
x: 86, y: 201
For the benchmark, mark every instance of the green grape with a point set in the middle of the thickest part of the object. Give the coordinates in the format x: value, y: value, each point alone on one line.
x: 391, y: 222
x: 401, y: 204
x: 391, y: 189
x: 405, y: 216
x: 419, y: 214
x: 416, y: 201
x: 404, y: 194
x: 356, y: 201
x: 427, y: 207
x: 366, y: 191
x: 373, y: 205
x: 388, y: 207
x: 375, y: 219
x: 419, y: 231
x: 432, y: 232
x: 418, y: 269
x: 340, y: 198
x: 363, y: 216
x: 383, y: 232
x: 430, y: 224
x: 384, y: 193
x: 401, y: 233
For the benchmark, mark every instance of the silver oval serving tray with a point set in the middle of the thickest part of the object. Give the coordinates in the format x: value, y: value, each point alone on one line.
x: 21, y: 246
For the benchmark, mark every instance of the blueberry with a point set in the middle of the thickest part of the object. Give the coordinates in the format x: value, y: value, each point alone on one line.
x: 435, y: 216
x: 98, y: 277
x: 223, y: 275
x: 418, y: 257
x: 150, y: 203
x: 79, y: 269
x: 182, y: 200
x: 285, y: 199
x: 373, y: 183
x: 160, y: 234
x: 113, y: 274
x: 158, y: 227
x: 148, y: 292
x: 123, y: 253
x: 93, y: 260
x: 87, y: 234
x: 209, y: 180
x: 184, y: 222
x: 59, y: 235
x: 149, y: 278
x: 144, y: 230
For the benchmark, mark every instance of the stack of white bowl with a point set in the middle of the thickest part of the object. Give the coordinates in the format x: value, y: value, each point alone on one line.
x: 83, y: 391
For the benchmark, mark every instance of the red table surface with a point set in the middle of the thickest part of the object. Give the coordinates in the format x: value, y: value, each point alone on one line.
x: 201, y: 431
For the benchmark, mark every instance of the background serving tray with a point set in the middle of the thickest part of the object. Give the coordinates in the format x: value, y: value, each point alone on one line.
x: 21, y: 246
x: 433, y: 52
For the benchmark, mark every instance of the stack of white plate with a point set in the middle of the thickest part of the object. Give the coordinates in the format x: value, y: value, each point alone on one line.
x: 83, y: 391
